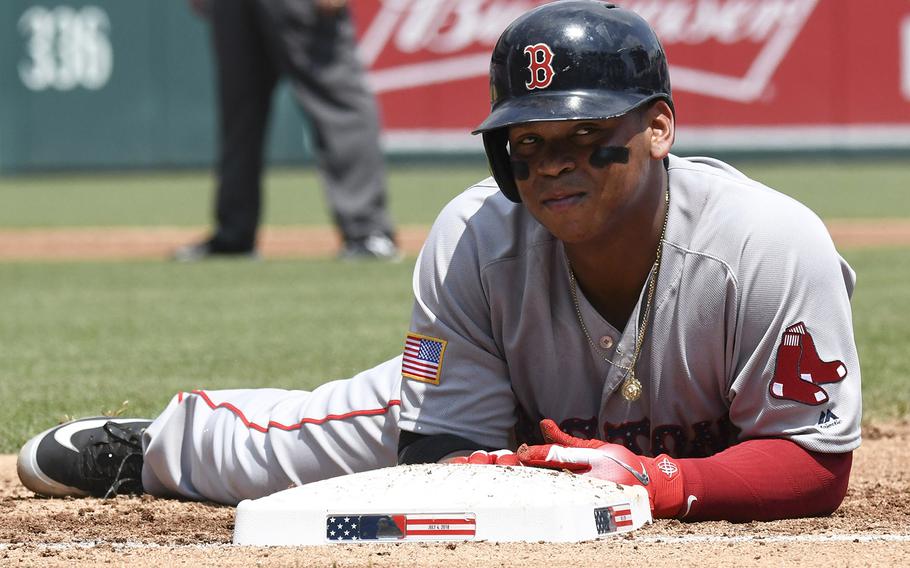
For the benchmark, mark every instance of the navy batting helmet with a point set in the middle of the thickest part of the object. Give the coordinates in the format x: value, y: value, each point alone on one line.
x: 569, y: 60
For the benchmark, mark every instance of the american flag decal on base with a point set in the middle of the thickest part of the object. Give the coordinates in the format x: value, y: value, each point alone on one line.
x: 441, y: 527
x: 422, y: 359
x: 609, y: 519
x: 435, y: 526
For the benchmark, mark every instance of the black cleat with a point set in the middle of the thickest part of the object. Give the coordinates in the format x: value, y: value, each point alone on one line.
x: 99, y: 457
x: 373, y: 247
x: 208, y: 250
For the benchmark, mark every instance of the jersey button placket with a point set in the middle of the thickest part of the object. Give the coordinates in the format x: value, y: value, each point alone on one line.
x: 621, y: 351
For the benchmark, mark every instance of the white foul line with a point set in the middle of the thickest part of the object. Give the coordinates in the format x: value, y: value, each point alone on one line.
x: 811, y: 538
x: 651, y: 539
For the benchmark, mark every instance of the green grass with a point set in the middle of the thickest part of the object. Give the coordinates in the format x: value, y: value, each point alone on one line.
x: 882, y: 329
x: 848, y: 189
x: 80, y: 338
x: 294, y: 196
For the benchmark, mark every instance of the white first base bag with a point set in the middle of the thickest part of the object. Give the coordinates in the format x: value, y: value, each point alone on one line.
x: 437, y: 502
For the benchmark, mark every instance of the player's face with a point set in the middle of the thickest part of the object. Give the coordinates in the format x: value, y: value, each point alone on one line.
x: 579, y: 178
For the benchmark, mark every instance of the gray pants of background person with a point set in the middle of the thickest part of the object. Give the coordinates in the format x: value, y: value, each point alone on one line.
x: 258, y: 41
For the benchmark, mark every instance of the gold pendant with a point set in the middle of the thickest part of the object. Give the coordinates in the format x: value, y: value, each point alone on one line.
x: 631, y: 388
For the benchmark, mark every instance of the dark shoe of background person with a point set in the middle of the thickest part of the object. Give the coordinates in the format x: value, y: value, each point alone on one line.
x: 373, y: 247
x: 99, y: 457
x: 208, y: 250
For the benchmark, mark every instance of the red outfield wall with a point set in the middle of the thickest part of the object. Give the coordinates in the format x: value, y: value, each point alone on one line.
x: 747, y: 74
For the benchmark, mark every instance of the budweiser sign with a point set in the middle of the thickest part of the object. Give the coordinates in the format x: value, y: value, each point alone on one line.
x: 410, y: 43
x: 754, y: 36
x: 731, y: 61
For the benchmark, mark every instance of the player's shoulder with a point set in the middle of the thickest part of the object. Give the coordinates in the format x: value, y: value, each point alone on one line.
x: 483, y: 219
x: 472, y: 200
x: 728, y: 213
x: 724, y: 189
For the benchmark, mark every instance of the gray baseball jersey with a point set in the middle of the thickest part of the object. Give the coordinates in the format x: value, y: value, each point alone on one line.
x: 750, y: 337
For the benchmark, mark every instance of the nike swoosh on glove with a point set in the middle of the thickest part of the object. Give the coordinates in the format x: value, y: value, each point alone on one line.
x: 660, y: 476
x: 499, y: 457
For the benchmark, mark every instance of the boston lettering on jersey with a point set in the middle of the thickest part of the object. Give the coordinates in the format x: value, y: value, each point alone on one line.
x: 699, y: 439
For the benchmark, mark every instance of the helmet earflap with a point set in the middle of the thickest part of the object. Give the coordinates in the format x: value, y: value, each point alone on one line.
x: 496, y: 144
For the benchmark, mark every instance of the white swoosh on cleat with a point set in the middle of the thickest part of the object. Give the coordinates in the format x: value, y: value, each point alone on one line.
x: 64, y: 435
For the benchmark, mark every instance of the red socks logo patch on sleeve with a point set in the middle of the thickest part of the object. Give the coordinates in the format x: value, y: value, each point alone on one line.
x: 799, y: 370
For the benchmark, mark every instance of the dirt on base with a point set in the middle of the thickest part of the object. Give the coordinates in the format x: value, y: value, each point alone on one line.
x: 870, y: 529
x: 301, y: 242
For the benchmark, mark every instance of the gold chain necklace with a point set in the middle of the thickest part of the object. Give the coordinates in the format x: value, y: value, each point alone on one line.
x: 631, y: 386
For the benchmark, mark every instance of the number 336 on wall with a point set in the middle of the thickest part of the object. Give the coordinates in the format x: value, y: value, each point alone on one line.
x: 65, y: 48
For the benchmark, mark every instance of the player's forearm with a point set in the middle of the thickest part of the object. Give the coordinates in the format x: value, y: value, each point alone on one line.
x: 764, y: 480
x: 418, y: 448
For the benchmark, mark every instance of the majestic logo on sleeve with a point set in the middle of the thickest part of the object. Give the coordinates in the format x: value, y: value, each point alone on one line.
x: 799, y: 371
x: 827, y: 419
x: 422, y: 359
x: 541, y: 66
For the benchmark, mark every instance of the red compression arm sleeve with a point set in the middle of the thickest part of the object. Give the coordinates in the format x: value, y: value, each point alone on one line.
x: 764, y: 480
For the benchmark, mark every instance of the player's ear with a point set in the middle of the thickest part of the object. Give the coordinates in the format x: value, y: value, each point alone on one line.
x: 661, y: 129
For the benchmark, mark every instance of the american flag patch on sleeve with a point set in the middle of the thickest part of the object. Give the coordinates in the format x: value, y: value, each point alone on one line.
x: 422, y: 359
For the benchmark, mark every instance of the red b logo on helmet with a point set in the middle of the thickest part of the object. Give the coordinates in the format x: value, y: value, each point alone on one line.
x: 540, y: 66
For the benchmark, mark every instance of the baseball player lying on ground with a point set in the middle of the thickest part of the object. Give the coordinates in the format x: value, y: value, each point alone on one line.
x: 599, y: 305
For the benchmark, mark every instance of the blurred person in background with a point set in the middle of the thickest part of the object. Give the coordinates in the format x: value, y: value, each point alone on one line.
x: 311, y: 42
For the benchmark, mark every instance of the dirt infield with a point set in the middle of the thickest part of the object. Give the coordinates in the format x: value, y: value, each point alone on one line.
x: 870, y: 529
x: 104, y: 243
x: 290, y: 242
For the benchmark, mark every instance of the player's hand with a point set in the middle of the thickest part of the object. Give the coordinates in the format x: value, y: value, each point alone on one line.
x: 499, y: 457
x: 661, y: 476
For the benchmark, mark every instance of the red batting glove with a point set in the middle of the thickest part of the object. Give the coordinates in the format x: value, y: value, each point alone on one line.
x: 499, y: 457
x: 661, y: 476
